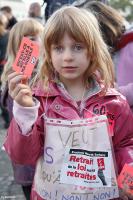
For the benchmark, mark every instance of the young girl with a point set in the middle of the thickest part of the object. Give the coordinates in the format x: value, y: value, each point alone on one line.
x: 32, y: 29
x: 49, y: 118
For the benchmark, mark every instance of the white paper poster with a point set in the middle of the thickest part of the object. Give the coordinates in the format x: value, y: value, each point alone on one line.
x: 83, y: 168
x: 77, y: 162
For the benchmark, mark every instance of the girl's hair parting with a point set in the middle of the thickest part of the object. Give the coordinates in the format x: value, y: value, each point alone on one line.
x: 26, y: 27
x: 110, y: 20
x: 82, y: 26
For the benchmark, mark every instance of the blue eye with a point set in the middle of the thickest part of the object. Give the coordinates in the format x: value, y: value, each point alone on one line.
x: 58, y: 48
x: 77, y: 47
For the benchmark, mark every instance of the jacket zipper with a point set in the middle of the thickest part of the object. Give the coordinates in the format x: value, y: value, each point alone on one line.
x: 82, y: 105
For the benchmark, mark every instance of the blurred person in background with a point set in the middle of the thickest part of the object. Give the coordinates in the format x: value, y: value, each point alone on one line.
x: 53, y: 5
x: 35, y: 11
x: 3, y: 40
x: 33, y: 30
x: 8, y: 13
x: 82, y: 3
x: 120, y: 43
x: 3, y: 47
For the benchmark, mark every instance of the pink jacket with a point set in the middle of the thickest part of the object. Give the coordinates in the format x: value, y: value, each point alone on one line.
x: 27, y: 149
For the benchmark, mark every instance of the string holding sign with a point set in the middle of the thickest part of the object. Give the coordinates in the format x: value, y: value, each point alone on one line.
x: 27, y: 57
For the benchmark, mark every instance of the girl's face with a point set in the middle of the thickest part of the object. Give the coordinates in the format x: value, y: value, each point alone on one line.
x: 70, y: 59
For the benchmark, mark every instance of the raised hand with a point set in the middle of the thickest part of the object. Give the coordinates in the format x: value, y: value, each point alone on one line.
x: 19, y: 89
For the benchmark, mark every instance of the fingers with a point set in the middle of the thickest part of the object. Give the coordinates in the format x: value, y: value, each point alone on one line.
x: 24, y: 98
x: 24, y: 80
x: 15, y: 77
x: 13, y: 80
x: 19, y: 90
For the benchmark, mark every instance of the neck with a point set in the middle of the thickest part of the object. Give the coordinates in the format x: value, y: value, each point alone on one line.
x: 72, y: 83
x: 76, y: 89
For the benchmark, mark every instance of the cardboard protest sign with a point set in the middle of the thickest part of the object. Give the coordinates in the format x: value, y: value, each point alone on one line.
x: 125, y: 179
x: 27, y: 57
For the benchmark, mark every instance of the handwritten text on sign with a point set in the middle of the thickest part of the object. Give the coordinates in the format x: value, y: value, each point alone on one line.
x: 74, y: 161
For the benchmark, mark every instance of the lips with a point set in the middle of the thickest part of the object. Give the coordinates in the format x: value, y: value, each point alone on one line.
x: 69, y: 67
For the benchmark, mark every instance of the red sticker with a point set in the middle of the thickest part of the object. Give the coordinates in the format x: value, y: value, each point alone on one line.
x: 125, y: 179
x: 27, y: 57
x: 101, y: 164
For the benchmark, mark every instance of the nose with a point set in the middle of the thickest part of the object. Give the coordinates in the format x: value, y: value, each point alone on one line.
x: 67, y: 55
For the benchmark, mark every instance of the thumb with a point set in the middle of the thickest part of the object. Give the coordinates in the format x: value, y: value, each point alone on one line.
x: 24, y: 80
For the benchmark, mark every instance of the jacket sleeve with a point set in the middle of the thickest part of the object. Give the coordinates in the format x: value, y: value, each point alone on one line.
x: 123, y: 136
x: 25, y: 116
x: 25, y: 149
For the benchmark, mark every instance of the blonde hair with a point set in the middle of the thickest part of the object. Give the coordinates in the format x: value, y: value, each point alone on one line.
x: 82, y: 26
x: 27, y: 27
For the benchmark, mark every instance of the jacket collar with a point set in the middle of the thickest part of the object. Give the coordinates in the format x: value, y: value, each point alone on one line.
x: 112, y: 92
x: 39, y: 90
x: 55, y: 91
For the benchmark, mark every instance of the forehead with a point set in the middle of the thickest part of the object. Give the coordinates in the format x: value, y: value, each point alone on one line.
x: 67, y: 37
x: 59, y: 25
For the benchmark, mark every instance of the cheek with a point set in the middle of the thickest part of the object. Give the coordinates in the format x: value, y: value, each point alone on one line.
x: 85, y: 64
x: 53, y: 56
x: 55, y: 59
x: 55, y: 63
x: 84, y: 57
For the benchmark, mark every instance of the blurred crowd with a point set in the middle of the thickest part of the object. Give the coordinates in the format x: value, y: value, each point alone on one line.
x: 7, y: 22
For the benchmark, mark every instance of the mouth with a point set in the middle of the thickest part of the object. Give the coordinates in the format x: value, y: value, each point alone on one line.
x: 69, y: 67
